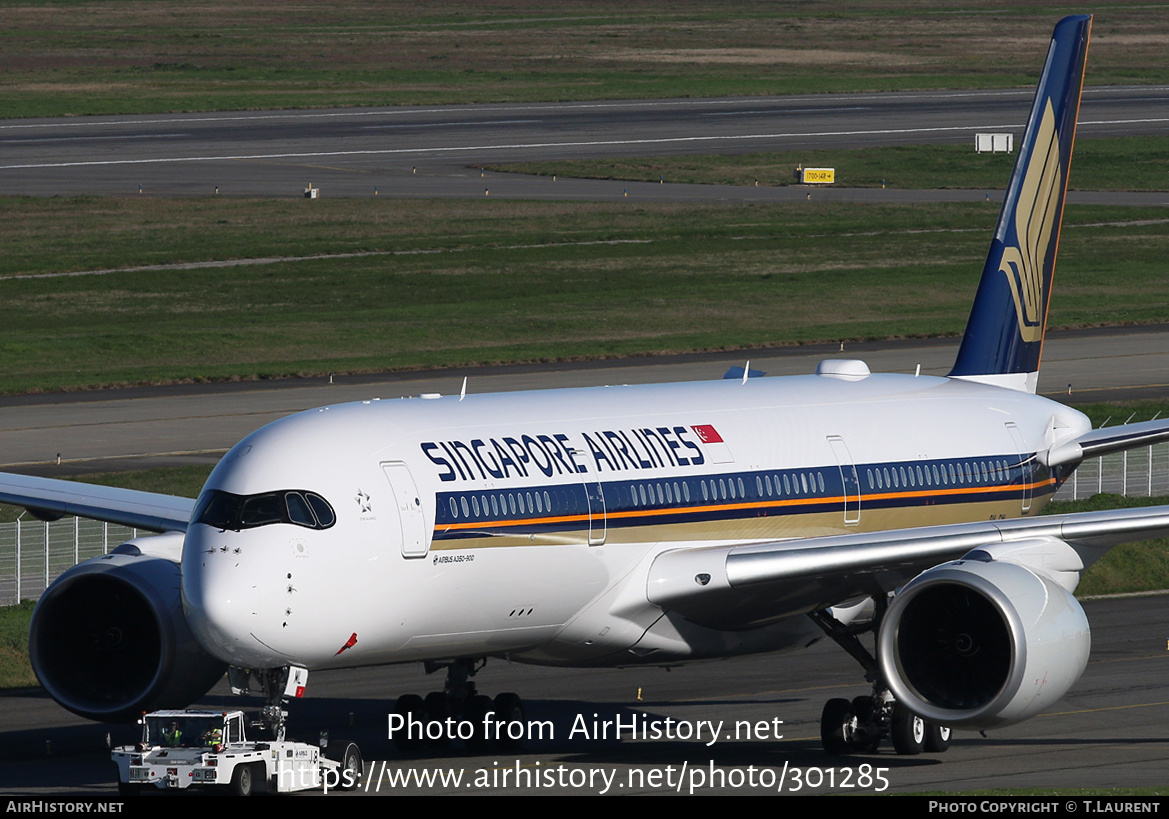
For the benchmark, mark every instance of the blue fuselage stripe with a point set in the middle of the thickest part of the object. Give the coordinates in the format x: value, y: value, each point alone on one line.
x: 738, y: 496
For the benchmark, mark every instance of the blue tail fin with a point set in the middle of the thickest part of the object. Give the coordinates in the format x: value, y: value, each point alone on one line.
x: 1004, y: 335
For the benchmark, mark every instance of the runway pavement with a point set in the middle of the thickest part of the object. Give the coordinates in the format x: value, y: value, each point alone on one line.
x: 426, y: 151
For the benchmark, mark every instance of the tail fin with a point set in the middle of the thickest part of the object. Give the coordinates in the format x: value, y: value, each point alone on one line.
x: 1004, y: 334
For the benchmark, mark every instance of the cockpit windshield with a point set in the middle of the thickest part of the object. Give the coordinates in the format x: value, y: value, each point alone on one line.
x: 225, y: 510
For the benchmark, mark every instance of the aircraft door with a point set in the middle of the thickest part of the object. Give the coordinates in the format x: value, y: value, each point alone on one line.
x: 1027, y: 466
x: 408, y: 503
x: 850, y: 480
x: 597, y: 517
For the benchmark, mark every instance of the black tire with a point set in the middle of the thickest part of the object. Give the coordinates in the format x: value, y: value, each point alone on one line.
x: 836, y: 726
x: 866, y: 734
x: 438, y: 709
x: 508, y: 708
x: 409, y: 705
x: 243, y: 780
x: 907, y: 731
x: 349, y: 758
x: 937, y: 738
x: 475, y: 713
x: 128, y: 791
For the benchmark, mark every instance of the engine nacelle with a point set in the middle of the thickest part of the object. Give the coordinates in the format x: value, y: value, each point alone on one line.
x: 108, y: 639
x: 980, y: 643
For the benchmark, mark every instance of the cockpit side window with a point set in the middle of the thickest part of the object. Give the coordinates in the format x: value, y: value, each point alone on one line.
x: 225, y: 510
x: 298, y: 510
x: 321, y: 508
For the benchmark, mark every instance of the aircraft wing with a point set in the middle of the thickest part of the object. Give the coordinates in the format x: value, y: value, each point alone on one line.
x: 742, y: 586
x: 51, y: 498
x: 1107, y: 440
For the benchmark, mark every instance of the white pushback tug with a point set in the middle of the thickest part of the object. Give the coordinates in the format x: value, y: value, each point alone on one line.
x: 193, y: 748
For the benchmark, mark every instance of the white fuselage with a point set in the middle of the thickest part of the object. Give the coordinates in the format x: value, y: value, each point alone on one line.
x: 524, y: 524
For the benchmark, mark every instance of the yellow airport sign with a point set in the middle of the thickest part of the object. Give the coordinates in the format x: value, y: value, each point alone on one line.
x: 818, y: 176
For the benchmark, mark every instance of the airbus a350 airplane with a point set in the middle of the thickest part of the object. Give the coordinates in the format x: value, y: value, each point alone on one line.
x: 639, y: 525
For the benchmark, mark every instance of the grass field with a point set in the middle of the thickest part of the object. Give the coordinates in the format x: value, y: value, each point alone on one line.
x: 463, y: 282
x: 70, y: 57
x: 1116, y: 163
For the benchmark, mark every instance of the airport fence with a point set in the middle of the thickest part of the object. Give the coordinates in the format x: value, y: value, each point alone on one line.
x: 1140, y: 472
x: 34, y: 552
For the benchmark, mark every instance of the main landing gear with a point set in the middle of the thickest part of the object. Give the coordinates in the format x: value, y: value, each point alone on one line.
x: 458, y: 712
x: 860, y: 725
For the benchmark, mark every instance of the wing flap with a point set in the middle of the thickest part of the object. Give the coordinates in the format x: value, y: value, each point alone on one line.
x: 152, y: 511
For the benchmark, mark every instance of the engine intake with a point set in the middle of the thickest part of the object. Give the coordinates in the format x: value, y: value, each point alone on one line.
x: 108, y: 639
x: 981, y: 643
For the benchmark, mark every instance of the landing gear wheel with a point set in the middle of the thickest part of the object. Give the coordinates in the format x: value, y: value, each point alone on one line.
x: 907, y: 730
x: 866, y: 732
x: 836, y: 721
x: 438, y: 709
x: 475, y: 714
x: 413, y: 709
x: 242, y: 780
x: 508, y: 708
x: 937, y: 738
x: 351, y: 765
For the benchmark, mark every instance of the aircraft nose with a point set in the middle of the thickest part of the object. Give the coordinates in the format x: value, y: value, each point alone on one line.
x: 223, y: 600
